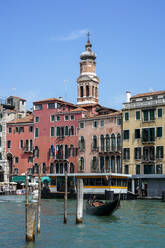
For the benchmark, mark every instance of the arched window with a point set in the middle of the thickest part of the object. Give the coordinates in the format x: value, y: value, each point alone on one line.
x: 66, y: 131
x: 66, y: 167
x: 87, y: 90
x: 94, y: 164
x: 102, y: 164
x: 35, y: 169
x: 119, y: 169
x: 71, y: 150
x: 107, y: 164
x: 113, y: 142
x: 107, y: 138
x: 82, y: 144
x: 81, y: 91
x: 92, y: 90
x: 113, y: 164
x: 72, y: 130
x: 95, y: 91
x: 71, y: 168
x: 52, y: 168
x: 81, y: 164
x: 43, y: 168
x: 61, y: 168
x: 94, y: 142
x: 57, y: 168
x: 36, y: 152
x: 102, y: 142
x: 66, y: 152
x: 118, y: 142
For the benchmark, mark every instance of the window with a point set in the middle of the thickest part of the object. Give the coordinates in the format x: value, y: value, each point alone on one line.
x: 15, y: 171
x: 66, y: 131
x: 10, y: 130
x: 113, y: 142
x: 94, y: 164
x: 16, y: 159
x: 149, y: 115
x: 126, y: 153
x: 102, y: 123
x: 36, y: 132
x: 81, y: 164
x: 0, y: 128
x: 118, y: 121
x: 137, y: 115
x: 52, y: 118
x: 148, y: 134
x: 138, y: 169
x: 72, y: 117
x: 81, y: 144
x: 0, y: 156
x: 72, y: 130
x: 126, y: 134
x: 118, y: 142
x: 126, y: 169
x: 95, y: 123
x: 159, y: 152
x: 148, y: 153
x: 38, y: 107
x: 30, y: 159
x: 159, y: 169
x: 52, y: 132
x: 21, y: 144
x: 16, y: 130
x: 8, y: 143
x: 159, y: 132
x: 137, y: 133
x: 81, y: 124
x: 94, y: 142
x: 1, y: 115
x: 159, y: 113
x: 43, y: 168
x: 60, y: 131
x: 107, y: 142
x: 21, y: 129
x: 137, y: 153
x: 58, y: 118
x: 66, y: 117
x: 102, y: 142
x: 31, y: 129
x: 36, y: 119
x: 126, y: 115
x: 51, y: 105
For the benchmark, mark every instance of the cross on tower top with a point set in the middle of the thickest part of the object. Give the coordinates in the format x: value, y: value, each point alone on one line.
x: 88, y: 34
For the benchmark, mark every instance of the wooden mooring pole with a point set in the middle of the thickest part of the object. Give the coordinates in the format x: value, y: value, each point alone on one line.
x: 79, y: 212
x: 39, y: 200
x: 30, y: 210
x: 65, y: 198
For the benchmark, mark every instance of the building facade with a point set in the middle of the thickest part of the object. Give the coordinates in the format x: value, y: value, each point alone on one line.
x: 100, y: 144
x: 144, y: 138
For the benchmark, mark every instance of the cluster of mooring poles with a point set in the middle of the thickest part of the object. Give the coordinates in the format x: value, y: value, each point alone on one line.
x: 79, y: 205
x: 30, y: 209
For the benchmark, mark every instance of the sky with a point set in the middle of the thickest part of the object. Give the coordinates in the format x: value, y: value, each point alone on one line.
x: 41, y: 42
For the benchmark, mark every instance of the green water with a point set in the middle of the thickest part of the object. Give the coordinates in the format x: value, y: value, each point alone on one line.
x: 136, y: 224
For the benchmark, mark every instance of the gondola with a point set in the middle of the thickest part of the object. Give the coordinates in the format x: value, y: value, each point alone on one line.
x: 101, y: 208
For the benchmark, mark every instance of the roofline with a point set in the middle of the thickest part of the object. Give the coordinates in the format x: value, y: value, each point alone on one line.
x: 54, y: 100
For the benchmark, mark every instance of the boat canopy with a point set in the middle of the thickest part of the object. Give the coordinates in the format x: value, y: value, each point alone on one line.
x: 18, y: 179
x: 46, y: 179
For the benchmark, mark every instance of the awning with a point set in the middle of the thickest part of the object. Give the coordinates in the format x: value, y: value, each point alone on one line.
x: 18, y: 179
x: 46, y: 179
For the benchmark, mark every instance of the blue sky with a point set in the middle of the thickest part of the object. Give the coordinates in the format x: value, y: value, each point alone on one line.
x: 41, y: 42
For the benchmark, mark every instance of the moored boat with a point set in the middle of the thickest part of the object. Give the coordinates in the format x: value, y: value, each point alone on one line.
x: 101, y: 208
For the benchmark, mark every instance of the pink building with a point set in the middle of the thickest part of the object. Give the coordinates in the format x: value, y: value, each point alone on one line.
x: 100, y: 144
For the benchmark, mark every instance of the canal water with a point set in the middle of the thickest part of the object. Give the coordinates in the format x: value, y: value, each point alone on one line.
x: 139, y: 223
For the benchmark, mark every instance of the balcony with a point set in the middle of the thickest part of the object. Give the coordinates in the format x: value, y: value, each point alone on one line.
x: 110, y: 149
x: 143, y: 104
x: 28, y: 149
x: 148, y: 141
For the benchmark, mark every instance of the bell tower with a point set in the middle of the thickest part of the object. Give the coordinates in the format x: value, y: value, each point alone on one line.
x: 87, y: 82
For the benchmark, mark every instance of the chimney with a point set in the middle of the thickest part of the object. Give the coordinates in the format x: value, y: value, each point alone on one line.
x: 128, y: 95
x: 60, y: 98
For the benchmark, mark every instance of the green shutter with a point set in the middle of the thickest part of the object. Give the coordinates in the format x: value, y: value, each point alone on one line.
x: 152, y: 115
x: 137, y: 115
x: 159, y: 112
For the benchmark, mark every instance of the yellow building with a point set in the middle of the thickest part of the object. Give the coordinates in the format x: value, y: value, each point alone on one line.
x: 144, y: 138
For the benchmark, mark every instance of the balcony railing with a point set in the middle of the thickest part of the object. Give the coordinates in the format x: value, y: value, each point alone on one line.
x: 109, y: 149
x: 148, y: 141
x: 149, y: 103
x: 28, y: 149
